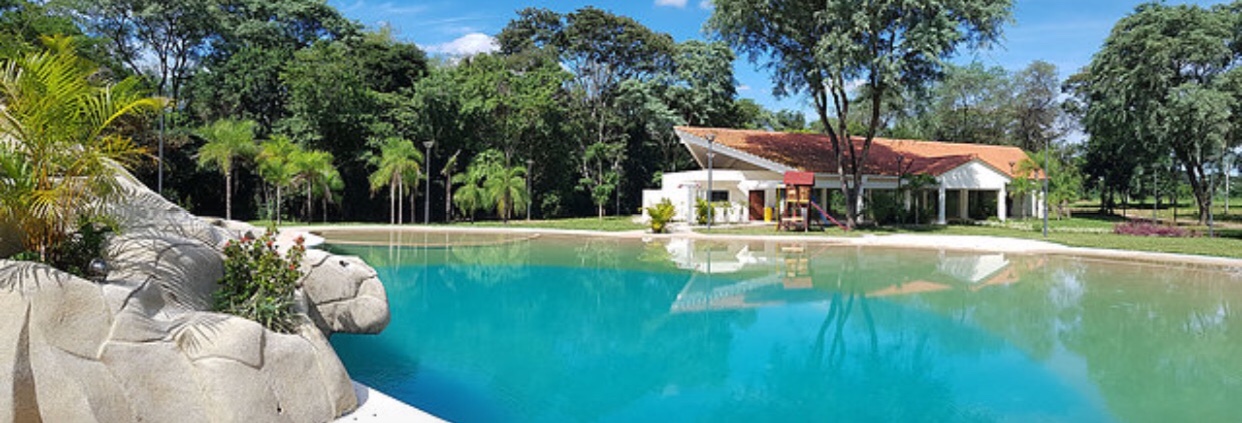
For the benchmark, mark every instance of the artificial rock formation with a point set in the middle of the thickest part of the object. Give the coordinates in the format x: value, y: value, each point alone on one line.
x: 143, y: 345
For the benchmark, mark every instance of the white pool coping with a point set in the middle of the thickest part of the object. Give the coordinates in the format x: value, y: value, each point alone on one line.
x: 375, y: 406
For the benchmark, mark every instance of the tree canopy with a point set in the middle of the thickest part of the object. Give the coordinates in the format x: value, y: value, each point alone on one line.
x: 886, y: 47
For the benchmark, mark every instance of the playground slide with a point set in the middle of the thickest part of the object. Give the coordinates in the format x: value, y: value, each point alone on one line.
x: 828, y: 217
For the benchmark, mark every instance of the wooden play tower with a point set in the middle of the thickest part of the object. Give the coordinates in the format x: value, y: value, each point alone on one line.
x: 799, y: 211
x: 796, y: 210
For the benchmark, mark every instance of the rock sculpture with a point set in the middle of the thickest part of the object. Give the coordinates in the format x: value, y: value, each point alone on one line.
x: 143, y: 345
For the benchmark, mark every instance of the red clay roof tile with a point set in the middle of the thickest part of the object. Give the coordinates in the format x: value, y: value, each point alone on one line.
x: 813, y: 152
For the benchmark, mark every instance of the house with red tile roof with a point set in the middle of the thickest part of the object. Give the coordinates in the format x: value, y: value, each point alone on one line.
x: 745, y: 169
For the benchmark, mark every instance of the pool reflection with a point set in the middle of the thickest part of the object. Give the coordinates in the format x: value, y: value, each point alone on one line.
x: 564, y: 329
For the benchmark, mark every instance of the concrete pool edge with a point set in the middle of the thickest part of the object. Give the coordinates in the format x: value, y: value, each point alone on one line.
x: 964, y: 243
x: 375, y: 406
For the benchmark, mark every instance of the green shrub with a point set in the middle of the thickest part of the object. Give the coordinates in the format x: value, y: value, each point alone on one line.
x: 259, y: 283
x: 73, y: 253
x: 703, y: 211
x: 661, y: 214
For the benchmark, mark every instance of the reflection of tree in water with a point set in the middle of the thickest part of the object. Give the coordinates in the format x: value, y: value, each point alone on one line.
x: 1160, y: 344
x: 854, y: 374
x: 1164, y: 345
x: 589, y: 336
x: 493, y: 264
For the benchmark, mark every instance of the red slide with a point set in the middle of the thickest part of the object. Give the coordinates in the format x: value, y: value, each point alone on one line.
x: 828, y: 217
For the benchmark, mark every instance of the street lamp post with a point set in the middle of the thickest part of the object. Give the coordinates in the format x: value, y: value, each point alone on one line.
x: 1047, y: 150
x: 427, y: 194
x: 711, y: 211
x: 530, y: 195
x: 905, y: 204
x: 159, y: 184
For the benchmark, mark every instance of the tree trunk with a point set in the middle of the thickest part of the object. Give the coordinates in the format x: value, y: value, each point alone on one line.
x: 600, y: 207
x: 448, y: 199
x: 325, y: 208
x: 228, y: 195
x: 310, y: 202
x: 277, y: 205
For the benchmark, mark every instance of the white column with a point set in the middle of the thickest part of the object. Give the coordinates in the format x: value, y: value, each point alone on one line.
x: 963, y: 204
x: 908, y: 199
x: 861, y: 194
x: 1001, y: 211
x: 940, y: 207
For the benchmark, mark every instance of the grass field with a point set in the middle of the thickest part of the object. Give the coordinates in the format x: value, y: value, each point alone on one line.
x: 1090, y: 231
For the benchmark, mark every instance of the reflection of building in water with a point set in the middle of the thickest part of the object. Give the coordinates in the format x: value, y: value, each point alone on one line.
x: 760, y: 273
x: 718, y: 257
x: 747, y: 275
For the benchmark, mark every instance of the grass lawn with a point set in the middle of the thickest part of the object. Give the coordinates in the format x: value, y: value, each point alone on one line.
x: 1092, y: 231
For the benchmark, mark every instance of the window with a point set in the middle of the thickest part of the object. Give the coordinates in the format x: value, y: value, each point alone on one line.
x: 719, y: 196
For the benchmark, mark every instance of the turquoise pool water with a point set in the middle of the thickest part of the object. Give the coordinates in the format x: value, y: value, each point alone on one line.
x: 578, y: 329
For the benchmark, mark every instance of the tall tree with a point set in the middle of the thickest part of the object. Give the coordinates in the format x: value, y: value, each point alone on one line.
x: 227, y: 142
x: 23, y: 22
x: 399, y: 161
x: 601, y: 50
x: 1038, y: 115
x: 822, y: 48
x: 318, y: 176
x: 170, y: 34
x: 506, y: 187
x: 1176, y: 97
x: 971, y: 104
x: 277, y: 168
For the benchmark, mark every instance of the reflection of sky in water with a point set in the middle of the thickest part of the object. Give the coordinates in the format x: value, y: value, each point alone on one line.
x: 1001, y: 339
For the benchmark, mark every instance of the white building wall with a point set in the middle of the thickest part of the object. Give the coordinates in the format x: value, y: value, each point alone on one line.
x: 973, y: 175
x: 684, y: 188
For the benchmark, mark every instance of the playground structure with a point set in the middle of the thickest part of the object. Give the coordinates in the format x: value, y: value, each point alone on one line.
x: 800, y: 211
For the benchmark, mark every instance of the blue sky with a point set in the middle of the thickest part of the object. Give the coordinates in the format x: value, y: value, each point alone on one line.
x: 1063, y: 32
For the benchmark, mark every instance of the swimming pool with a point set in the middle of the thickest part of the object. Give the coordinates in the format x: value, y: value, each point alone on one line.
x: 552, y: 329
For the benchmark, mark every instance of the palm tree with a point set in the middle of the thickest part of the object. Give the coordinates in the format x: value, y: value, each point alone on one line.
x: 447, y: 172
x: 315, y: 172
x: 399, y: 161
x: 470, y: 196
x: 506, y: 187
x: 277, y: 166
x: 62, y: 141
x: 227, y: 140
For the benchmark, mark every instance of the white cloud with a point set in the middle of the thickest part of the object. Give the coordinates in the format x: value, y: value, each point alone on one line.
x: 389, y: 9
x: 743, y: 88
x: 466, y: 45
x: 706, y: 5
x: 674, y: 3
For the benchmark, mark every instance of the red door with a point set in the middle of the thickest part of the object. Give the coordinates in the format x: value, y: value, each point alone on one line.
x: 756, y: 205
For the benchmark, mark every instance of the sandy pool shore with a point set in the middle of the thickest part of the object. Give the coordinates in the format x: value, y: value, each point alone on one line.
x: 933, y: 242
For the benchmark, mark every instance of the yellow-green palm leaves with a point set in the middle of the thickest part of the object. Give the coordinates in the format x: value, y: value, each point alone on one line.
x: 277, y: 166
x: 317, y: 174
x: 399, y: 161
x: 506, y: 187
x: 489, y: 184
x: 62, y: 140
x: 227, y: 142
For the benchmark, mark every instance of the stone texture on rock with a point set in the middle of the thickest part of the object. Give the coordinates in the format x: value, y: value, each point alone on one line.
x: 143, y: 345
x: 346, y: 294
